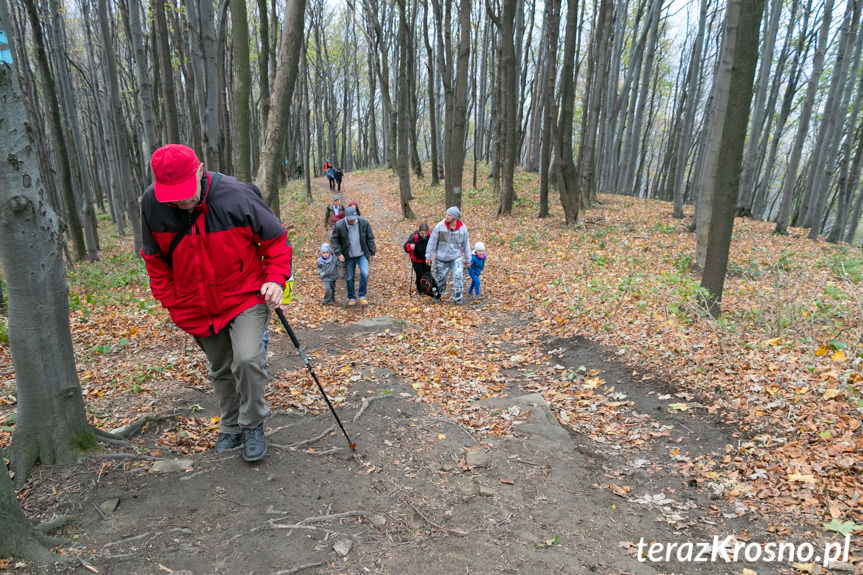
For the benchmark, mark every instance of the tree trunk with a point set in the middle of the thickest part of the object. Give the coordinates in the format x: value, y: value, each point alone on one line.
x: 740, y: 52
x: 802, y: 46
x: 404, y: 120
x: 145, y: 85
x: 130, y: 189
x: 587, y: 162
x: 835, y: 110
x: 459, y: 117
x: 166, y: 72
x: 307, y: 135
x: 509, y: 99
x: 242, y: 75
x: 206, y: 17
x: 76, y: 135
x: 633, y: 142
x: 432, y: 102
x: 713, y: 145
x: 61, y: 155
x: 552, y: 15
x: 759, y: 112
x: 286, y: 76
x: 570, y: 191
x: 19, y: 538
x: 685, y: 141
x: 264, y: 58
x: 803, y: 123
x: 51, y: 422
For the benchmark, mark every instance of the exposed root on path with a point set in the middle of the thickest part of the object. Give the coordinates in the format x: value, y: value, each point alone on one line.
x: 365, y: 405
x: 299, y: 568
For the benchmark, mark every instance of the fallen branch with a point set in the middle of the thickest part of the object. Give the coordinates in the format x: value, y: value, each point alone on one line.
x: 231, y: 500
x: 432, y: 523
x: 330, y: 516
x: 299, y: 568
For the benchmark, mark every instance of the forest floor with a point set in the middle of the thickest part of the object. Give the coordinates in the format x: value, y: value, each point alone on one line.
x: 585, y: 408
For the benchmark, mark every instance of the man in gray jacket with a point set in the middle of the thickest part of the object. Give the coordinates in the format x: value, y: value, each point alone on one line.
x: 449, y: 246
x: 354, y: 243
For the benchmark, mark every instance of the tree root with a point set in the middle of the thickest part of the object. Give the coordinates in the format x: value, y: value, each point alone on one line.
x: 432, y: 523
x: 52, y: 524
x: 305, y: 442
x: 130, y: 430
x: 365, y: 405
x: 110, y: 438
x: 299, y: 568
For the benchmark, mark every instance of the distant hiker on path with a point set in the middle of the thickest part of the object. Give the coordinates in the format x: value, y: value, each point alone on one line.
x: 449, y: 246
x: 354, y: 244
x: 338, y: 174
x: 333, y: 209
x: 416, y: 250
x: 330, y: 171
x: 218, y: 259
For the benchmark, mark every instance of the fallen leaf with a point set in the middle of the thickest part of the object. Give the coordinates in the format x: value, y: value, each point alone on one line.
x: 831, y: 393
x: 800, y: 478
x: 506, y: 481
x: 678, y: 406
x: 620, y: 491
x: 846, y: 528
x: 838, y: 356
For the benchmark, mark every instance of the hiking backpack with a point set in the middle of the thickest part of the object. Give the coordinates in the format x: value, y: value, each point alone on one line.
x: 428, y: 286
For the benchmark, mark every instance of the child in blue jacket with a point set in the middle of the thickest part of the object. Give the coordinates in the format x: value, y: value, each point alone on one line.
x: 477, y: 264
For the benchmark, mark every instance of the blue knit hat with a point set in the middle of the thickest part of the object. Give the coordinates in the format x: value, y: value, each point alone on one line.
x: 325, y: 248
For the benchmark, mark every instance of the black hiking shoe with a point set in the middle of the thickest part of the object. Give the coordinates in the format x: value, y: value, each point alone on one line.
x: 254, y: 443
x: 228, y: 441
x: 436, y: 299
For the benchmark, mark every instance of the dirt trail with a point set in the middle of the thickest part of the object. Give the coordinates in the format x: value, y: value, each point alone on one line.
x: 423, y: 494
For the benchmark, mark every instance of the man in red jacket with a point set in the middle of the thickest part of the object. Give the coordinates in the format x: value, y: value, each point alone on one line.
x: 218, y: 260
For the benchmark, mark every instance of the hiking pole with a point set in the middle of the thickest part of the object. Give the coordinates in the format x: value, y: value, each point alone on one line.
x: 296, y: 342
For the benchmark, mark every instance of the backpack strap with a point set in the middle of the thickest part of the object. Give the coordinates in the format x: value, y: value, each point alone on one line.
x: 190, y: 221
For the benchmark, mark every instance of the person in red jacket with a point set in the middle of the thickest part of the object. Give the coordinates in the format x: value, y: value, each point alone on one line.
x: 218, y: 260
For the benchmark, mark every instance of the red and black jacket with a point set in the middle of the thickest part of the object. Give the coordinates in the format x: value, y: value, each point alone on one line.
x: 418, y: 254
x: 234, y: 245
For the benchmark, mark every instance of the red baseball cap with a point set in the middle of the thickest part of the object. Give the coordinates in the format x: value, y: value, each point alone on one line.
x: 175, y: 169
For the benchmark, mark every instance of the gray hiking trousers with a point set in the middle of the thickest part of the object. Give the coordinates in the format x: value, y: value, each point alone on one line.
x: 238, y: 369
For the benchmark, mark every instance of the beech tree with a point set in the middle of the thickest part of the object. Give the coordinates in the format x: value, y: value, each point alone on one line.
x: 286, y: 76
x: 51, y: 425
x: 739, y: 59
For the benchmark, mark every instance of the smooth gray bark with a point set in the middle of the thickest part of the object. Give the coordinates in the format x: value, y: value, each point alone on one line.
x: 267, y: 178
x: 50, y: 411
x: 803, y: 124
x: 691, y: 103
x: 836, y: 109
x: 759, y: 111
x: 741, y: 43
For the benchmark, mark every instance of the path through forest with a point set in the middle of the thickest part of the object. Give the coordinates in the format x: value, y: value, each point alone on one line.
x: 424, y: 493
